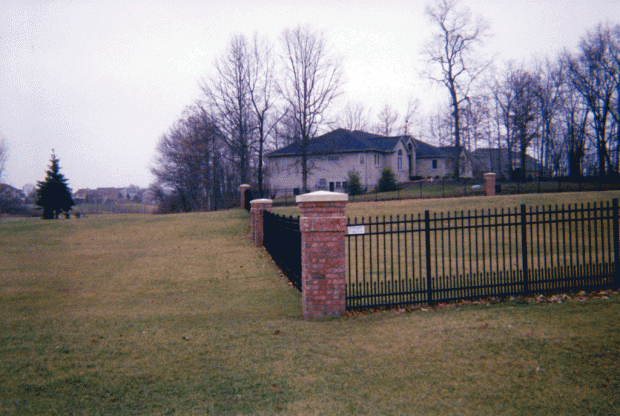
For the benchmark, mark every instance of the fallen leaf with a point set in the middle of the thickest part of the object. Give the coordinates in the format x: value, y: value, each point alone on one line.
x: 277, y: 332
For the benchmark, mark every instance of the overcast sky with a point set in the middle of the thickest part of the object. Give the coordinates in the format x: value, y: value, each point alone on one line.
x: 101, y: 80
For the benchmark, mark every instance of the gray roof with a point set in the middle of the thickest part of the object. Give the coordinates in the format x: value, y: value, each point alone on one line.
x: 494, y: 155
x: 347, y: 141
x: 342, y: 141
x: 425, y: 150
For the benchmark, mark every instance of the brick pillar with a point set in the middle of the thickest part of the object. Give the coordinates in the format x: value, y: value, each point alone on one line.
x: 257, y: 206
x: 242, y: 189
x: 489, y: 183
x: 322, y: 224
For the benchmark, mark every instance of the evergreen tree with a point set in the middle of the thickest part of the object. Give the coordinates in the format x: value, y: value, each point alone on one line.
x: 53, y: 194
x: 387, y: 182
x: 353, y: 183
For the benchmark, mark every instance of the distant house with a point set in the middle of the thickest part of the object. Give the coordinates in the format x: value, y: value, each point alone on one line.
x: 9, y: 193
x: 82, y: 196
x: 504, y: 163
x: 99, y: 195
x: 439, y: 162
x: 333, y: 155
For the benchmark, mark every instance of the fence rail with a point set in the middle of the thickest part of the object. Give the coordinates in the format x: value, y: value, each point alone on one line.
x: 282, y: 240
x: 445, y: 257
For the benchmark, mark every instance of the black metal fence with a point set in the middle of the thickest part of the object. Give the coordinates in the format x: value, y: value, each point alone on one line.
x: 446, y: 257
x: 282, y: 239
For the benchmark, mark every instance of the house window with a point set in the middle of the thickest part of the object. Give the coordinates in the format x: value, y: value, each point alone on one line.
x: 283, y: 163
x: 400, y: 160
x: 332, y: 158
x: 322, y: 183
x: 376, y: 159
x: 361, y: 159
x: 434, y: 163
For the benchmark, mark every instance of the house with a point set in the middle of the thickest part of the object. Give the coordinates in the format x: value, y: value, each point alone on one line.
x: 9, y: 193
x: 333, y: 155
x: 97, y: 196
x: 504, y: 163
x: 439, y: 162
x: 83, y: 195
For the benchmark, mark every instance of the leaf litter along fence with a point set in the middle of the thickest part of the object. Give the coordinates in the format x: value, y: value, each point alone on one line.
x: 282, y: 240
x: 447, y: 257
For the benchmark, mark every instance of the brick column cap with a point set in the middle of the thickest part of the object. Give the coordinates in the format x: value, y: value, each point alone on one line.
x: 490, y: 174
x: 261, y: 201
x: 322, y: 196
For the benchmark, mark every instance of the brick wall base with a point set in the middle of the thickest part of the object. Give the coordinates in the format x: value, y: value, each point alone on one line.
x: 489, y: 184
x: 323, y: 224
x: 257, y: 206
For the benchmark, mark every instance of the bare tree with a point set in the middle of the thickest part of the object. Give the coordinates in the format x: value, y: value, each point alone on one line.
x: 438, y: 127
x: 4, y: 154
x: 518, y: 98
x: 477, y: 122
x: 613, y: 68
x: 229, y: 99
x: 191, y: 162
x: 353, y: 117
x: 551, y: 82
x: 575, y: 116
x: 387, y: 120
x: 286, y: 130
x: 504, y: 101
x: 453, y: 56
x: 261, y: 90
x: 311, y: 80
x: 591, y: 73
x: 411, y: 118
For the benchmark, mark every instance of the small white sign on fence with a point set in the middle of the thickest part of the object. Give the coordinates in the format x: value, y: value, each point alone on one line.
x: 356, y: 229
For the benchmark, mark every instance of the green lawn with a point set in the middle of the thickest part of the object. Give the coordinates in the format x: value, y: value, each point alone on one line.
x: 180, y: 314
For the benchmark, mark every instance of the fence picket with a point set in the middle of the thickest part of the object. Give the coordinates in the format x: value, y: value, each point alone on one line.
x: 616, y: 245
x: 482, y: 254
x: 282, y: 240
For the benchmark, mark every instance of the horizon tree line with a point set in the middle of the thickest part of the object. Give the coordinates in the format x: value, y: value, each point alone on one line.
x: 564, y: 111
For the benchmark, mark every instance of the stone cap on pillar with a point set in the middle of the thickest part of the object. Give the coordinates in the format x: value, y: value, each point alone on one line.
x: 261, y: 201
x: 490, y: 174
x: 322, y: 196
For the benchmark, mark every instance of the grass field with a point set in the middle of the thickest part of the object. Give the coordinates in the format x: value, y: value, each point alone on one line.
x: 446, y: 188
x: 480, y: 203
x: 180, y: 314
